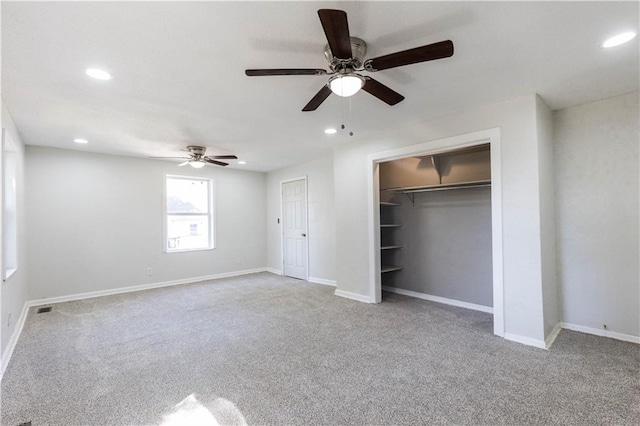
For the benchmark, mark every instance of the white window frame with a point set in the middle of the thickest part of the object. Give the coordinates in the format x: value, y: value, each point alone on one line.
x: 210, y: 214
x: 9, y: 201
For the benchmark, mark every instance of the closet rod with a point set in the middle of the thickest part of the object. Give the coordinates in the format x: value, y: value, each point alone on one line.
x: 411, y: 190
x: 446, y: 188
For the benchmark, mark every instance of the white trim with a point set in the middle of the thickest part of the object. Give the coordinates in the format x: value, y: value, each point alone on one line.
x: 552, y: 337
x: 470, y: 139
x: 306, y: 211
x: 603, y: 333
x: 322, y: 281
x: 17, y: 331
x: 526, y: 340
x: 353, y: 296
x: 131, y: 289
x: 438, y: 299
x: 273, y: 271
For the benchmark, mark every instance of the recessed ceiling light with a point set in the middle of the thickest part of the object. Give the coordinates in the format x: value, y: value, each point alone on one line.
x: 98, y: 74
x: 619, y: 39
x: 78, y: 140
x: 242, y: 162
x: 330, y: 131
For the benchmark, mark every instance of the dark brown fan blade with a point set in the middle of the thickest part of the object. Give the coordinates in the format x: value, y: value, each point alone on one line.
x: 336, y: 28
x: 176, y: 158
x: 285, y: 71
x: 319, y: 98
x: 381, y: 91
x: 218, y: 163
x: 442, y: 49
x: 222, y: 157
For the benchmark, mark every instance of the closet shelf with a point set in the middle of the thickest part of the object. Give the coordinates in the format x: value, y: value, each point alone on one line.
x: 389, y: 268
x: 390, y: 247
x: 391, y: 225
x: 387, y: 203
x: 442, y: 187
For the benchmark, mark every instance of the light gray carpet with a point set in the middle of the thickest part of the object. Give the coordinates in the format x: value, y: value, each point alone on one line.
x: 263, y: 349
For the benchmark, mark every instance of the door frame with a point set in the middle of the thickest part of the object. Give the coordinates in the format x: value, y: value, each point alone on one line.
x: 306, y: 212
x: 491, y: 136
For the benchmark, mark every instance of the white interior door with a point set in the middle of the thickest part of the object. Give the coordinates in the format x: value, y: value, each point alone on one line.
x: 294, y: 228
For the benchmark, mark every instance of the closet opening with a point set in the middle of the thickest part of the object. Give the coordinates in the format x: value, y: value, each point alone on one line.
x: 436, y: 223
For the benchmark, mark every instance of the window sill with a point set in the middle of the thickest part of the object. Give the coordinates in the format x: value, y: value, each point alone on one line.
x: 188, y: 250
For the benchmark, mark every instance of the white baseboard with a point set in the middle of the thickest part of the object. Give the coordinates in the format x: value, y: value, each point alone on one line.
x: 526, y: 340
x: 603, y: 333
x: 424, y: 296
x: 273, y: 271
x: 322, y: 281
x: 121, y: 290
x: 552, y: 337
x: 353, y: 296
x: 8, y: 352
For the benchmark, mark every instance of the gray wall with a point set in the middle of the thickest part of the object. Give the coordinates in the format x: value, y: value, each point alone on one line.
x: 321, y: 214
x: 596, y: 147
x: 14, y: 290
x: 446, y: 238
x: 96, y: 222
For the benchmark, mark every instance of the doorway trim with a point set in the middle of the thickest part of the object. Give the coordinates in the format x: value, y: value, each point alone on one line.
x: 491, y: 136
x: 306, y: 204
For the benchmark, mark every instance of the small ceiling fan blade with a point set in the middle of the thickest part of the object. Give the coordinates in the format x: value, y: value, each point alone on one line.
x: 381, y: 91
x: 318, y: 99
x: 430, y: 52
x: 284, y: 71
x: 218, y: 163
x: 223, y: 157
x: 336, y: 28
x: 184, y: 164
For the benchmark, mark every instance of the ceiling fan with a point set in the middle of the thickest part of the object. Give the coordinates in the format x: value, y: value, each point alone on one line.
x: 197, y: 159
x: 346, y: 54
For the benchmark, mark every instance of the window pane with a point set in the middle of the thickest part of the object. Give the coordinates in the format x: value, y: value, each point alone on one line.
x: 187, y: 195
x: 187, y: 232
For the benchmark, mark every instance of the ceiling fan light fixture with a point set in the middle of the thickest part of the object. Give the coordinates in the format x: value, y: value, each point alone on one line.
x: 346, y: 85
x: 196, y: 164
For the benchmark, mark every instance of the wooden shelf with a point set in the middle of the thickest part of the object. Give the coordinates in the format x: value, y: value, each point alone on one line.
x: 390, y: 247
x: 389, y: 268
x: 387, y: 203
x: 391, y: 225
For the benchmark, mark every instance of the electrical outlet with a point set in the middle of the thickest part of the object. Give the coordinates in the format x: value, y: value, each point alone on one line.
x: 149, y: 271
x: 9, y: 320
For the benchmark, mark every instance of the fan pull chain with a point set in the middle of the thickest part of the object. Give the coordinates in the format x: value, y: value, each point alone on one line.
x: 350, y: 116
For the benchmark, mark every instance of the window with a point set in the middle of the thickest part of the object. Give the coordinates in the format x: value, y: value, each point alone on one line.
x: 189, y: 213
x: 10, y: 206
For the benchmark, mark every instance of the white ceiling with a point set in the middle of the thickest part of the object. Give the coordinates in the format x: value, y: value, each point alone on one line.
x: 179, y: 78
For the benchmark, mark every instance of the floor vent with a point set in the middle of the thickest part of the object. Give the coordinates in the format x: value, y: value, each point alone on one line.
x: 40, y: 311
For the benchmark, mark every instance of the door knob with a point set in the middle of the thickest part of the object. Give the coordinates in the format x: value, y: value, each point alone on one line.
x: 304, y: 235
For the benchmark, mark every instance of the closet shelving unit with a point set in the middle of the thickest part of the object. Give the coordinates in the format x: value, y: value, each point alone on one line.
x: 389, y: 227
x: 410, y: 191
